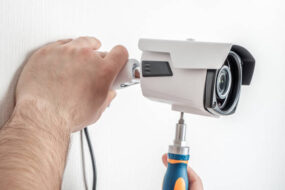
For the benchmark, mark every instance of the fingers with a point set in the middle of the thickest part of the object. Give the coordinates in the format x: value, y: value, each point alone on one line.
x: 64, y: 41
x: 195, y: 182
x: 85, y: 42
x: 58, y: 42
x: 101, y: 54
x: 164, y: 159
x: 116, y: 59
x: 110, y: 96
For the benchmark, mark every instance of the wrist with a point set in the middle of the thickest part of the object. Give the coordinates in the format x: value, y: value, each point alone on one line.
x: 36, y: 138
x: 41, y: 116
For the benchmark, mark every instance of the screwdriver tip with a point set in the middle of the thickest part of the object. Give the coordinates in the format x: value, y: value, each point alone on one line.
x: 181, y: 120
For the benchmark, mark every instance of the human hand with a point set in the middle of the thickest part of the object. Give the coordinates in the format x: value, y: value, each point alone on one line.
x: 195, y: 182
x: 71, y: 80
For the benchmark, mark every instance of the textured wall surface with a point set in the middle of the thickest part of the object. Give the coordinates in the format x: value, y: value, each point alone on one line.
x: 243, y: 151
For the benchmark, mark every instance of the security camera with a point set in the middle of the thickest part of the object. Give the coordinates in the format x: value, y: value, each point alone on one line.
x: 201, y: 78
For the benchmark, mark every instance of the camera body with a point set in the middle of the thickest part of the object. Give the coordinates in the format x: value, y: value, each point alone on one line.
x: 201, y: 78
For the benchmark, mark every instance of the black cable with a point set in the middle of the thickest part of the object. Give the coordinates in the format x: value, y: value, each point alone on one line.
x: 92, y: 158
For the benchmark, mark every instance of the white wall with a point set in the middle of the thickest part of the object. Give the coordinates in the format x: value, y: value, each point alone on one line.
x: 244, y: 151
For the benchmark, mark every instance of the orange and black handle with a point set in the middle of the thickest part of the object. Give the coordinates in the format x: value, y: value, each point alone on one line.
x: 176, y: 177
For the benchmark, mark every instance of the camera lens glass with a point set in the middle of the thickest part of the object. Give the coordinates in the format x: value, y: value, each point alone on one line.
x: 223, y: 82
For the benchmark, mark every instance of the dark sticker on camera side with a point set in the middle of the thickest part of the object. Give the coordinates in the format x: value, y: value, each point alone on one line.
x: 156, y: 69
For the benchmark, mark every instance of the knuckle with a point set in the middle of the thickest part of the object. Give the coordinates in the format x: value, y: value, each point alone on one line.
x: 43, y: 51
x: 83, y: 38
x: 67, y: 49
x: 63, y: 40
x: 59, y: 41
x: 96, y: 57
x: 86, y: 52
x: 122, y: 50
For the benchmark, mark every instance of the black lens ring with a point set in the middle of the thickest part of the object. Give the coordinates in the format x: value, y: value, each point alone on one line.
x: 228, y: 105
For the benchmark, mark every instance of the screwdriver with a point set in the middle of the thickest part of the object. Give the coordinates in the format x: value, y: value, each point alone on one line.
x: 176, y: 177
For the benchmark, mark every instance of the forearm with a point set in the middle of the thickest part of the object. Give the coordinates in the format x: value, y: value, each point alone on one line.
x: 72, y: 80
x: 33, y: 148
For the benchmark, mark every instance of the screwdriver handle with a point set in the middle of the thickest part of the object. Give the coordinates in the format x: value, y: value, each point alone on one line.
x: 176, y: 177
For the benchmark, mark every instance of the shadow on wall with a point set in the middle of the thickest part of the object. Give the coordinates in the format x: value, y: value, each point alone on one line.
x: 8, y: 102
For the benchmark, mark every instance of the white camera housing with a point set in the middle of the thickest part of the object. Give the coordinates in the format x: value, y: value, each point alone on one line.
x: 184, y: 74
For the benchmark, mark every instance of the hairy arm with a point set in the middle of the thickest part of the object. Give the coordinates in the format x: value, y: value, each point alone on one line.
x: 64, y: 87
x: 33, y: 148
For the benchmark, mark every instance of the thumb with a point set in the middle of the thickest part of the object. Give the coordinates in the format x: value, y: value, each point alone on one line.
x: 164, y: 159
x: 116, y: 59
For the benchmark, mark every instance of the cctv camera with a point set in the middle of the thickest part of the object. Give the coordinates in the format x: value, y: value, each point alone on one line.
x: 201, y: 78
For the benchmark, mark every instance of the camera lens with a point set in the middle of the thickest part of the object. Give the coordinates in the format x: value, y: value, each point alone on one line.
x: 224, y: 80
x: 223, y: 86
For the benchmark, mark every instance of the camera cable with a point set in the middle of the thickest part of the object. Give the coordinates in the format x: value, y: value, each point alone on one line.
x: 92, y: 157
